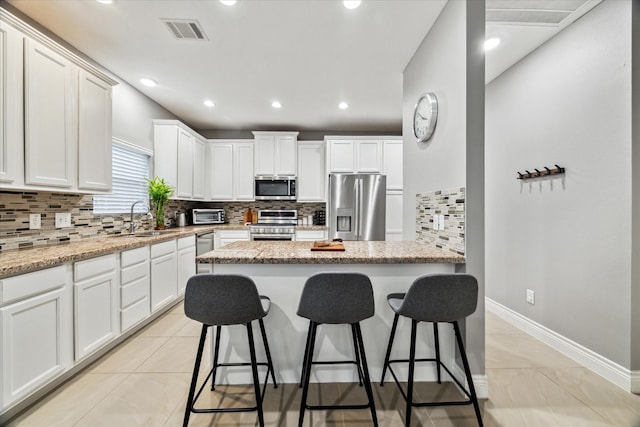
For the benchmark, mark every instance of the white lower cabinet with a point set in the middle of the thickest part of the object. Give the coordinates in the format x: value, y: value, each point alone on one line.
x: 96, y: 301
x: 224, y: 237
x: 37, y: 330
x: 164, y: 274
x: 135, y: 287
x: 186, y: 261
x: 311, y: 235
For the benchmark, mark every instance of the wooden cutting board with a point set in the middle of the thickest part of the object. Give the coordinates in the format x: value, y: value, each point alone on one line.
x: 327, y: 246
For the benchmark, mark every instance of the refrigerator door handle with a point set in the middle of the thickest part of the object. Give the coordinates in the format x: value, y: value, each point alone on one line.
x: 356, y: 213
x: 359, y: 196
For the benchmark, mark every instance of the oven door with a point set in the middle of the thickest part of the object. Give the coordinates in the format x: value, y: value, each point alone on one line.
x: 272, y: 237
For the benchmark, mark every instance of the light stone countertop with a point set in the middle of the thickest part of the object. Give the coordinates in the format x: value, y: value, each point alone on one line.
x: 403, y: 252
x: 22, y: 261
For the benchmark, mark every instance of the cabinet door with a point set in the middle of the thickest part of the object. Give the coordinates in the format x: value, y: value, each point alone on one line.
x: 368, y: 156
x: 94, y: 135
x: 310, y: 235
x: 392, y: 164
x: 221, y: 171
x: 311, y: 183
x: 285, y: 158
x: 265, y: 151
x: 36, y: 343
x: 198, y: 169
x: 11, y: 107
x: 243, y: 176
x: 164, y: 278
x: 394, y: 216
x: 341, y: 156
x: 96, y: 313
x: 50, y: 117
x: 186, y: 267
x: 185, y: 165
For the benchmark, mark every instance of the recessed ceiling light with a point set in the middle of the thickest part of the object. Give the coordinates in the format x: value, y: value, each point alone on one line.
x: 228, y: 2
x: 105, y: 1
x: 343, y: 106
x: 209, y: 103
x: 148, y: 82
x: 276, y: 104
x: 351, y: 4
x: 491, y: 43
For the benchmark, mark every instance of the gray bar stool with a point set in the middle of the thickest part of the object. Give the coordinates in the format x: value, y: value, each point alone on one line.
x: 435, y: 298
x: 220, y: 300
x: 336, y: 298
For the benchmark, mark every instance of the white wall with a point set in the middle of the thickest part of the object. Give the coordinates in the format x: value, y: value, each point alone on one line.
x: 566, y: 238
x: 450, y: 63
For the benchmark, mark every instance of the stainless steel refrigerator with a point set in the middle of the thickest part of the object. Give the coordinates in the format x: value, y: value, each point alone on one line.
x: 357, y: 206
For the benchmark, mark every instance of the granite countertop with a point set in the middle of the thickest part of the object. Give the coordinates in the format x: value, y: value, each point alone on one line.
x: 404, y: 252
x: 21, y: 261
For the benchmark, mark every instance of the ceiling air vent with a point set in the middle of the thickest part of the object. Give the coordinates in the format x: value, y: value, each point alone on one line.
x: 185, y: 29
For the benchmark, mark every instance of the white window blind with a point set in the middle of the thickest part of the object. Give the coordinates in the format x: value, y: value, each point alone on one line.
x: 129, y: 172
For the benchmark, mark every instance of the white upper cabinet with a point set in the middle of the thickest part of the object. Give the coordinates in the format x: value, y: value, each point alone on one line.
x: 50, y: 117
x: 276, y: 153
x: 230, y: 170
x: 179, y: 158
x: 55, y: 114
x: 11, y: 107
x: 312, y: 179
x: 392, y: 163
x: 354, y: 155
x: 199, y: 161
x: 94, y: 133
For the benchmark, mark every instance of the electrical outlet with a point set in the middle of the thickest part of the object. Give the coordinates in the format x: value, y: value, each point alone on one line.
x: 441, y: 222
x: 35, y: 221
x: 436, y: 222
x: 531, y: 297
x: 63, y: 219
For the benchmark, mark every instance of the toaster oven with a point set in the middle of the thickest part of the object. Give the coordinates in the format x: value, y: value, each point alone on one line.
x: 207, y: 216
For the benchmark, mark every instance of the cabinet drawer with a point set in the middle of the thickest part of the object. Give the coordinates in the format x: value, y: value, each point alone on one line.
x: 164, y: 248
x: 134, y: 291
x: 130, y: 274
x: 134, y: 256
x: 18, y: 287
x: 185, y: 242
x: 93, y: 267
x: 235, y: 234
x: 135, y: 313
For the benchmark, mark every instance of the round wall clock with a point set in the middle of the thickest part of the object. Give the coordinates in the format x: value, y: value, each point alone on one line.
x: 425, y: 117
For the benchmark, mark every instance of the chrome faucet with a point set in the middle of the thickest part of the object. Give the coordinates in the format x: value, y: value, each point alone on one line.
x: 132, y: 226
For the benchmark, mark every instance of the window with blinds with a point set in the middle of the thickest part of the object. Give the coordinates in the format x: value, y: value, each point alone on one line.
x: 129, y: 172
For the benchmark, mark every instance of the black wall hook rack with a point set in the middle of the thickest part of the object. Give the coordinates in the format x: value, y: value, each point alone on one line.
x: 539, y: 173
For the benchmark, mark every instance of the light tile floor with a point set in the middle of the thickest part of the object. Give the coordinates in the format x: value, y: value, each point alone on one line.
x: 144, y: 382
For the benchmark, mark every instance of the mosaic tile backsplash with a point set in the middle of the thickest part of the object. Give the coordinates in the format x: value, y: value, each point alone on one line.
x: 15, y: 208
x: 449, y: 203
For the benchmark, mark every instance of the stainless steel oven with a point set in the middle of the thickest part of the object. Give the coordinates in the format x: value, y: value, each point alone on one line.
x: 274, y: 225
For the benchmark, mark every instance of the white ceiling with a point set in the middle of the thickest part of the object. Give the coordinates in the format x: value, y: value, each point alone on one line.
x: 310, y: 55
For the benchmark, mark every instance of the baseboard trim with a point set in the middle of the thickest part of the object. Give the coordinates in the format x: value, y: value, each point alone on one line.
x: 480, y: 381
x: 611, y: 371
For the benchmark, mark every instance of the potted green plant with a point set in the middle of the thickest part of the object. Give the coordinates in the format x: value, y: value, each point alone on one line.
x: 159, y: 193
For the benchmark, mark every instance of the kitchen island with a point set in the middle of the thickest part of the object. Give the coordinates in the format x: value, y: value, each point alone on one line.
x: 280, y: 270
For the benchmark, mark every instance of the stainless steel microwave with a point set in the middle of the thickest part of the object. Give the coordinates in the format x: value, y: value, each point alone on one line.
x: 207, y: 216
x: 275, y: 188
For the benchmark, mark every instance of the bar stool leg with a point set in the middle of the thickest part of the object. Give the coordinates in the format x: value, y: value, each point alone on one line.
x: 306, y: 353
x: 437, y: 343
x: 386, y: 358
x: 412, y: 363
x: 194, y: 377
x: 216, y: 353
x: 467, y: 372
x: 266, y: 349
x: 365, y: 369
x: 313, y: 326
x: 357, y: 353
x: 254, y: 370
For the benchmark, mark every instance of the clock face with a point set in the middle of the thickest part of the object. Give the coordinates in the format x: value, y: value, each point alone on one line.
x: 425, y: 117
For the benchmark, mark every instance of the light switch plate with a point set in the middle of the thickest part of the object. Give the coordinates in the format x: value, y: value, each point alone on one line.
x: 35, y: 221
x: 436, y: 222
x: 63, y: 219
x: 531, y: 297
x: 441, y: 222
